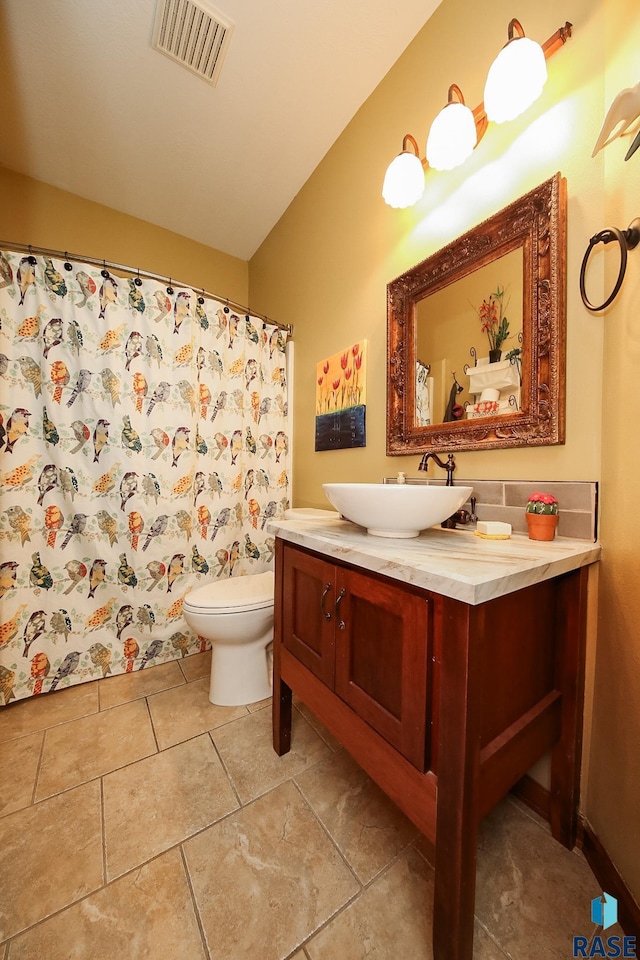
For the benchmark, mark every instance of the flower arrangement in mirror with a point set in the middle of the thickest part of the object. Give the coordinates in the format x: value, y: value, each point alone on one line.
x: 494, y: 323
x: 542, y: 516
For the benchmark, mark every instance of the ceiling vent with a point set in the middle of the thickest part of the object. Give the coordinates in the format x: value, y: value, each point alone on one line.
x: 194, y: 34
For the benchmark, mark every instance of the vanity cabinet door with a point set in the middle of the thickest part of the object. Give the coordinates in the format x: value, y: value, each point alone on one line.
x: 383, y: 659
x: 308, y: 612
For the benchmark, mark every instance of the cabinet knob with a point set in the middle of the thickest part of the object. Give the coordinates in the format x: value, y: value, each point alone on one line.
x: 326, y: 614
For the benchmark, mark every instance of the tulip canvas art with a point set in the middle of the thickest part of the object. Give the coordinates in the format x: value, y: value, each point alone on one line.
x: 341, y: 399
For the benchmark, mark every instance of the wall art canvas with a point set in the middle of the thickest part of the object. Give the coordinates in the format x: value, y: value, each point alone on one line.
x: 341, y: 399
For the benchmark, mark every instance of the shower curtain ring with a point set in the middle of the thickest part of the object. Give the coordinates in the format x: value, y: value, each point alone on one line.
x: 138, y: 281
x: 201, y: 297
x: 170, y: 288
x: 67, y: 265
x: 104, y: 272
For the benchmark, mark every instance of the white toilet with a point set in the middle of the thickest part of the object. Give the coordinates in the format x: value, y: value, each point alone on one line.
x: 236, y: 616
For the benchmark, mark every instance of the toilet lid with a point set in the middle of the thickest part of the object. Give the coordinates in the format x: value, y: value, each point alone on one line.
x: 235, y: 593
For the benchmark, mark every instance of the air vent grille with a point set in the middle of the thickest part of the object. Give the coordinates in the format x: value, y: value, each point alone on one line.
x: 193, y: 34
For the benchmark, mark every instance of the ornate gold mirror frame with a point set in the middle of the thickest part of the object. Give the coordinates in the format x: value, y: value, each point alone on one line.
x: 535, y: 222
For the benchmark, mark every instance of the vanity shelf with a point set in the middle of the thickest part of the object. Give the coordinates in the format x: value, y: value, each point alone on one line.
x: 445, y: 698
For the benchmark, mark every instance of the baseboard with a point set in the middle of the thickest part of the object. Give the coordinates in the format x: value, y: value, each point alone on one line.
x: 610, y: 880
x: 534, y: 795
x: 537, y: 798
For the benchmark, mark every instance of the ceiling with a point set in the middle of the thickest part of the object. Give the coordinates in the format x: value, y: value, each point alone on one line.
x: 91, y: 108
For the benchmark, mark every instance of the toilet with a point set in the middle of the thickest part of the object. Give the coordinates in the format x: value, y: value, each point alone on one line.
x: 236, y: 616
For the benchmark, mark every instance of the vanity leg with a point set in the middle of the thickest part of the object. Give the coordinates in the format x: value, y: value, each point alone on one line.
x: 571, y: 616
x: 281, y: 704
x: 281, y: 717
x: 455, y: 889
x: 457, y: 814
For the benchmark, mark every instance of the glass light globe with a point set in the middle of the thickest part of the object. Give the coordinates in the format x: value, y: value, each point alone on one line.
x: 515, y: 79
x: 404, y: 181
x: 452, y: 137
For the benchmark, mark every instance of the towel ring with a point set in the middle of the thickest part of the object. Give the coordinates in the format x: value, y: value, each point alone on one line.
x: 628, y: 239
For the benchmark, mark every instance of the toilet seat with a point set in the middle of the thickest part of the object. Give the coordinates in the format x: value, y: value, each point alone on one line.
x: 233, y: 595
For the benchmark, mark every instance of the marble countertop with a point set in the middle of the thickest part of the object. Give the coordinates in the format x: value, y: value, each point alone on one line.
x: 454, y: 563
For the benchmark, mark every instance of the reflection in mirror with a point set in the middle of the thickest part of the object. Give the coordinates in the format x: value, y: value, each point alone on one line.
x: 502, y: 286
x: 455, y: 330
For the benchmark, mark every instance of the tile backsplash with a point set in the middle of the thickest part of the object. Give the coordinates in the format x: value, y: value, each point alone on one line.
x: 506, y: 499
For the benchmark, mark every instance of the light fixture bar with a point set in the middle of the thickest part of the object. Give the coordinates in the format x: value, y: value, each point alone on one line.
x: 556, y: 40
x: 549, y: 47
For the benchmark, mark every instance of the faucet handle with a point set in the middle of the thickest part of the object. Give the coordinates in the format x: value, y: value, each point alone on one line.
x: 450, y: 467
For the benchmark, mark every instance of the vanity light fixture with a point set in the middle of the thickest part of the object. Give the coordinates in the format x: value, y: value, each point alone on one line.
x: 404, y: 180
x: 516, y: 76
x: 509, y: 90
x: 453, y: 133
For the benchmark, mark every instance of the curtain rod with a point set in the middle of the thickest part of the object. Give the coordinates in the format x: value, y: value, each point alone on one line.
x: 65, y: 255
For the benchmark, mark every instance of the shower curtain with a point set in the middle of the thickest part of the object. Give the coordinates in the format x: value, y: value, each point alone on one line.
x: 143, y: 448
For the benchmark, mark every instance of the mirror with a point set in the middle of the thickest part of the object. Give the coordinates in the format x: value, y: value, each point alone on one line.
x: 500, y: 285
x: 452, y: 349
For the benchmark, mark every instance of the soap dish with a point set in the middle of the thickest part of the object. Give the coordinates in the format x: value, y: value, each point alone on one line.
x: 492, y: 536
x: 493, y: 530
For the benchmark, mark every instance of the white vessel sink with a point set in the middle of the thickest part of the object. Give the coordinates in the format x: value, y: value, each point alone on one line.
x: 395, y: 510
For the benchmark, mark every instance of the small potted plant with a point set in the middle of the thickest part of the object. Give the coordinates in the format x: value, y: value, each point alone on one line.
x: 542, y: 516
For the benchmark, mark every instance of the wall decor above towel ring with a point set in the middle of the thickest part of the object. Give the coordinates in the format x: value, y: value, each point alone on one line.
x: 628, y: 239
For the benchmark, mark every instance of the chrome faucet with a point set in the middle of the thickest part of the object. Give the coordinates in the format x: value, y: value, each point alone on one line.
x: 449, y: 466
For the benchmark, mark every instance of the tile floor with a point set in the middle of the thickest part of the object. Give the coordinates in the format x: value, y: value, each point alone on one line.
x: 139, y: 821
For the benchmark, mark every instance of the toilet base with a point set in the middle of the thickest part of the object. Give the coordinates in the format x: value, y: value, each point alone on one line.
x: 240, y: 673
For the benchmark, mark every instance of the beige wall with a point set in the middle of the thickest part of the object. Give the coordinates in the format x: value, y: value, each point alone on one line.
x: 35, y: 213
x: 612, y: 802
x: 325, y: 267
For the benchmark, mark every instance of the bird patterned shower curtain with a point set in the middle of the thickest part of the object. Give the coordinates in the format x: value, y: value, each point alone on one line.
x: 143, y: 448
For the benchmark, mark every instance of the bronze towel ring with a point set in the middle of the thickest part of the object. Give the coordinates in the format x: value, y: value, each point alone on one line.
x: 628, y: 239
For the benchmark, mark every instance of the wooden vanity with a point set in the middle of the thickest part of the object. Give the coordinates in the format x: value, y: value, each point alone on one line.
x: 446, y: 666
